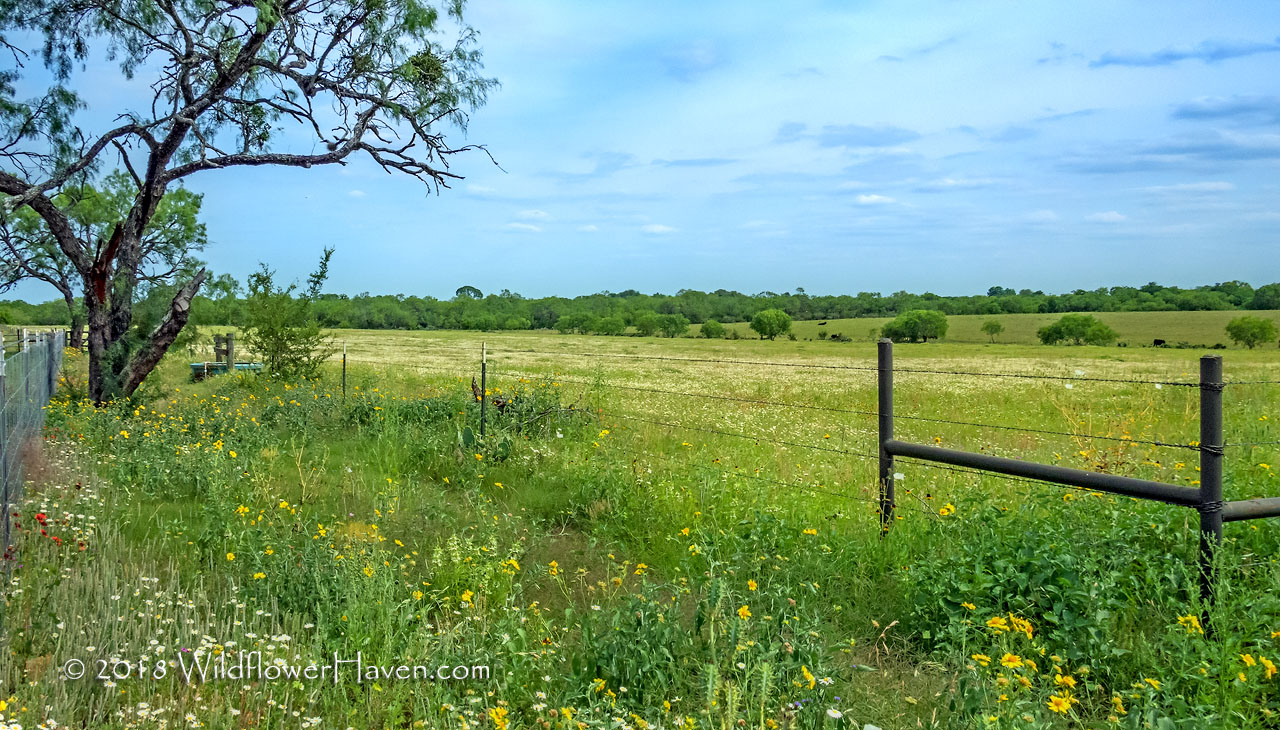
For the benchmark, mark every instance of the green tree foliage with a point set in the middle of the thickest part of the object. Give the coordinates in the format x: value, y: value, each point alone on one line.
x: 468, y: 292
x: 647, y: 323
x: 234, y: 85
x: 612, y: 326
x: 1251, y: 331
x: 771, y: 323
x: 712, y: 330
x: 673, y: 325
x: 917, y: 325
x: 508, y: 311
x: 1266, y: 297
x: 991, y: 328
x: 282, y: 328
x: 169, y: 241
x: 1077, y: 329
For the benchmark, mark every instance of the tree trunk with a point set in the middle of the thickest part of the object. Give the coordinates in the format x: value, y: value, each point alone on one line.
x: 114, y: 371
x: 146, y: 359
x: 116, y: 367
x: 78, y: 321
x: 76, y: 339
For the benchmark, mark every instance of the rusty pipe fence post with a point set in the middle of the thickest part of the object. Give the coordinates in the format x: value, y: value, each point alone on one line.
x: 1211, y: 453
x: 484, y: 393
x: 884, y: 409
x: 344, y: 371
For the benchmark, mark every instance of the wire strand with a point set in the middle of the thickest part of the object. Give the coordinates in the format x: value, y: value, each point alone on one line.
x: 748, y: 437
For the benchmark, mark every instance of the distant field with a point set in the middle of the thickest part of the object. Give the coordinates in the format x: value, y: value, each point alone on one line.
x: 1135, y: 328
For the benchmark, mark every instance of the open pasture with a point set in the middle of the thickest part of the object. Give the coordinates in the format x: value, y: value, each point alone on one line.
x: 653, y: 532
x: 1135, y: 329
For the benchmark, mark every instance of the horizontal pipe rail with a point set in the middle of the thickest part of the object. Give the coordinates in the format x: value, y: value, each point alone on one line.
x: 1251, y: 509
x: 1128, y: 486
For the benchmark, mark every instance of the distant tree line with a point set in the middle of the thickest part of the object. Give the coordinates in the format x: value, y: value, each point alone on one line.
x: 223, y: 300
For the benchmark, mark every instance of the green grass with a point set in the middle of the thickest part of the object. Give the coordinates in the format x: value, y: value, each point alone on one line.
x: 349, y: 508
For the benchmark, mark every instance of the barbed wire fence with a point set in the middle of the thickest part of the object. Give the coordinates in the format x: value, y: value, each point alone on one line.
x: 560, y: 366
x: 28, y: 378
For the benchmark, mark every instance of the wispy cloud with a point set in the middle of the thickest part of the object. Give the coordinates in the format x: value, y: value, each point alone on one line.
x: 525, y: 227
x: 603, y: 164
x: 696, y: 162
x: 1244, y: 109
x: 846, y: 135
x: 589, y: 228
x: 688, y: 61
x: 1041, y: 216
x: 1014, y: 133
x: 1198, y: 153
x: 872, y: 199
x: 1216, y: 186
x: 1206, y: 51
x: 919, y: 51
x: 356, y: 193
x: 533, y: 215
x: 657, y: 229
x: 947, y: 184
x: 856, y: 135
x: 1109, y: 216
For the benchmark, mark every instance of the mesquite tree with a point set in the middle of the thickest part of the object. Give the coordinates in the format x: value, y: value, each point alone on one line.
x: 169, y: 241
x: 233, y: 83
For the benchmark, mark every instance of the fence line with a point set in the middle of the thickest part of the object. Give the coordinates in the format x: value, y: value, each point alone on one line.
x: 28, y: 378
x: 854, y: 411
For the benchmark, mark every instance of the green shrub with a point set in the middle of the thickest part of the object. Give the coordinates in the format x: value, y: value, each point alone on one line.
x: 282, y: 328
x: 917, y: 325
x: 771, y: 323
x: 1077, y: 329
x: 1251, y: 331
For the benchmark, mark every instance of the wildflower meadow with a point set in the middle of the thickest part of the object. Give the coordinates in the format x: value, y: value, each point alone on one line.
x: 631, y: 543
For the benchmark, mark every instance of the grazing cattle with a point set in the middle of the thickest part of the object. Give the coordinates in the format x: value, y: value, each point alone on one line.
x: 1157, y: 343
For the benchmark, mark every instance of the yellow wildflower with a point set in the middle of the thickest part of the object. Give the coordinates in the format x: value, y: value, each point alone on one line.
x: 1059, y: 703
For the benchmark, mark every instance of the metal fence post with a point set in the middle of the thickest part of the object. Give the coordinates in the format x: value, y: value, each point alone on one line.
x: 484, y: 393
x: 5, y: 445
x: 884, y: 409
x: 51, y: 365
x: 344, y: 370
x: 26, y: 368
x: 1211, y: 452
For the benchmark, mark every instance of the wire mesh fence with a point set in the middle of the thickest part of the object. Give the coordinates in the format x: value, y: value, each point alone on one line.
x: 28, y: 377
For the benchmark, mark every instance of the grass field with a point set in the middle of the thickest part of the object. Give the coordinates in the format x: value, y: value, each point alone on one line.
x: 652, y: 533
x: 1136, y: 329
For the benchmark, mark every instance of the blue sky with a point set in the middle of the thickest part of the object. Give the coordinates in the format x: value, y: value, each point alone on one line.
x: 838, y: 146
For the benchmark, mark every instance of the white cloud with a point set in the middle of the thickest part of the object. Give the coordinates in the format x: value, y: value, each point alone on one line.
x: 871, y: 199
x: 356, y: 193
x: 1110, y: 216
x: 657, y: 229
x: 758, y: 224
x: 527, y: 227
x: 533, y: 215
x: 480, y: 189
x: 589, y: 228
x: 1041, y: 216
x: 1216, y: 186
